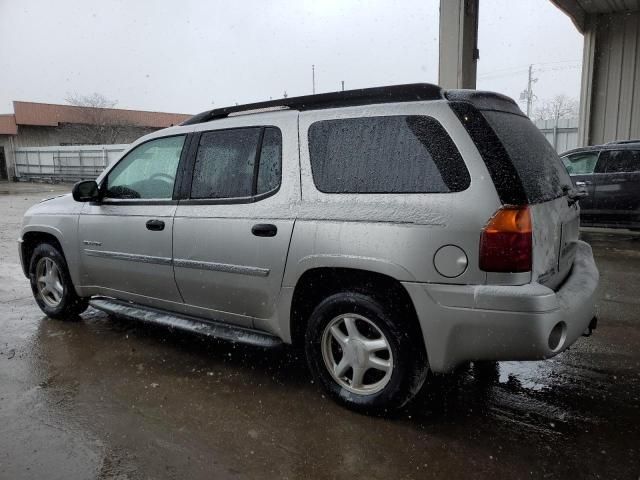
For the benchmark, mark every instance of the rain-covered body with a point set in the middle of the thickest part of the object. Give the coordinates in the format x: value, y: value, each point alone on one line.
x: 206, y: 263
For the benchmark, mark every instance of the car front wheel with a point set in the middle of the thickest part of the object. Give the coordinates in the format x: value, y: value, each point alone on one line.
x: 51, y: 284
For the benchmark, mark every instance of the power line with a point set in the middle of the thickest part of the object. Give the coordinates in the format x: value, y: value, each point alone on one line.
x: 543, y: 66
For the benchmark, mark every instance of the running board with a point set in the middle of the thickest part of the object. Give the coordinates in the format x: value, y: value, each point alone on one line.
x: 187, y: 323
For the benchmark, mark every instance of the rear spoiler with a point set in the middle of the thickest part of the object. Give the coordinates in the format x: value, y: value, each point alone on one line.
x: 484, y: 100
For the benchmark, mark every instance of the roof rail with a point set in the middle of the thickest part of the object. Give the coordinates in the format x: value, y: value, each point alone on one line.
x: 412, y: 92
x: 622, y: 142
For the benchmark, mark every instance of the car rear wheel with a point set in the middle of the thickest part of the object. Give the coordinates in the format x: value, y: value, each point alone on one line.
x: 51, y: 284
x: 363, y: 354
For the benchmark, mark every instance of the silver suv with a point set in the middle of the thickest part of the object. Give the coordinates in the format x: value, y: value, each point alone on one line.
x: 390, y: 231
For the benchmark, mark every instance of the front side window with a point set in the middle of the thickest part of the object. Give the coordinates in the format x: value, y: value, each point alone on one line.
x: 225, y: 165
x: 392, y: 154
x: 147, y: 172
x: 621, y: 161
x: 581, y: 163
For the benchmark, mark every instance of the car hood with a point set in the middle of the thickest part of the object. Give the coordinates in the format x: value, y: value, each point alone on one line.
x: 58, y: 205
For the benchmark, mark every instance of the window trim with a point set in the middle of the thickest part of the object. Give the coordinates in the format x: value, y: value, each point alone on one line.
x: 102, y: 188
x: 184, y: 195
x: 325, y: 192
x: 585, y: 152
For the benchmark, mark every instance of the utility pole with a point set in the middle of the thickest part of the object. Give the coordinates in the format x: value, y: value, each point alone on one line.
x: 528, y: 93
x: 313, y: 79
x: 342, y: 82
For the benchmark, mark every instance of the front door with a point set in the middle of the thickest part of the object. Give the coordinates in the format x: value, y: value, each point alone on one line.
x: 581, y: 166
x: 126, y: 239
x: 232, y: 233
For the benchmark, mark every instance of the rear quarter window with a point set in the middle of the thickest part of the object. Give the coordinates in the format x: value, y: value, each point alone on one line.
x: 392, y: 154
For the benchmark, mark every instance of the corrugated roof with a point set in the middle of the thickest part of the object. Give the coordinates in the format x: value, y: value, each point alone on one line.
x: 8, y: 124
x: 47, y: 114
x: 579, y: 9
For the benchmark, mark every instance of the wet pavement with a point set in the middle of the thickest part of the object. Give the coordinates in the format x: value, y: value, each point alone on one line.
x: 96, y: 397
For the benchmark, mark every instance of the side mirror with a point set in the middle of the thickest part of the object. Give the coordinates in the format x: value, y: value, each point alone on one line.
x: 86, y: 191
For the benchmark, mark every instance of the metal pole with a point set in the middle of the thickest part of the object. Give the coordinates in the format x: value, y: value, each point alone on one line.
x: 313, y: 79
x: 342, y: 82
x: 81, y: 169
x: 529, y: 93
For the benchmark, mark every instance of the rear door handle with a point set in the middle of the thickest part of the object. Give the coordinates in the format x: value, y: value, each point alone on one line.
x: 155, y: 225
x: 264, y: 230
x: 583, y: 184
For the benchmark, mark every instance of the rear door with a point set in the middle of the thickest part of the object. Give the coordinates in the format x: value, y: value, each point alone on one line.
x: 618, y: 188
x: 232, y: 232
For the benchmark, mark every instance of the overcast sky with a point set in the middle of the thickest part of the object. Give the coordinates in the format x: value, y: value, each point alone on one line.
x: 189, y: 55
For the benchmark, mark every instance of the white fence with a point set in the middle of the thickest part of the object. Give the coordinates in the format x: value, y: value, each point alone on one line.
x: 65, y: 163
x: 562, y: 135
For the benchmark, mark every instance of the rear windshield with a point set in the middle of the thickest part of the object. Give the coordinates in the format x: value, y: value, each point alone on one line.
x: 385, y: 154
x: 539, y: 167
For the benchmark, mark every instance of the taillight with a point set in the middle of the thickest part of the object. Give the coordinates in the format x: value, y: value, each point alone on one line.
x: 505, y: 243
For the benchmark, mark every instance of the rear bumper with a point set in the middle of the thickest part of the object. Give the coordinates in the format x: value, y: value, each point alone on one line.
x: 483, y: 322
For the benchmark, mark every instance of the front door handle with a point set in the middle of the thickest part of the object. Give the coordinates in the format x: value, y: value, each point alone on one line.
x: 155, y: 225
x: 264, y: 230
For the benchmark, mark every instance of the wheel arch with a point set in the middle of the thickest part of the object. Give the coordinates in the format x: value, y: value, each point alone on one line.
x: 32, y: 237
x: 316, y: 284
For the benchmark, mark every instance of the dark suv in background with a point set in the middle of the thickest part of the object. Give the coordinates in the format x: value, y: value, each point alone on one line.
x: 610, y: 174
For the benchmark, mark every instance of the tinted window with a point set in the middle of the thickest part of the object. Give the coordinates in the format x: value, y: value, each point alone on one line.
x: 396, y: 154
x: 541, y: 172
x: 148, y: 171
x: 269, y: 169
x: 621, y: 161
x: 225, y: 163
x: 581, y: 163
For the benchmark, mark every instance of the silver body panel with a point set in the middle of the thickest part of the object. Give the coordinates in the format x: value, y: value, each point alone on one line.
x: 206, y: 262
x: 130, y: 258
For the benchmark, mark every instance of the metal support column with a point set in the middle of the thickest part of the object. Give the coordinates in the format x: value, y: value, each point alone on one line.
x: 458, y: 43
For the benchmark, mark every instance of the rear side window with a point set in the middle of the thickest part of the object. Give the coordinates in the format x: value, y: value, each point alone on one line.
x: 394, y: 154
x: 537, y: 164
x: 621, y: 161
x: 237, y: 163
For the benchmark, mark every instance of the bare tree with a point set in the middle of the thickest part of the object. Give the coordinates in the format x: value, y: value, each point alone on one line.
x: 560, y: 106
x: 99, y: 124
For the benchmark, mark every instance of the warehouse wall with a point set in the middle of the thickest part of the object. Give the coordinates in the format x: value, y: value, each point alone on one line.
x: 612, y: 44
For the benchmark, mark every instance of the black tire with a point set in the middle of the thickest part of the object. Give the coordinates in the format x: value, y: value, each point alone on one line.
x: 409, y: 365
x: 70, y: 304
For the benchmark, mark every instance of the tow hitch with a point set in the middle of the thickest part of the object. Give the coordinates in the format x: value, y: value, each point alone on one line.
x: 593, y: 324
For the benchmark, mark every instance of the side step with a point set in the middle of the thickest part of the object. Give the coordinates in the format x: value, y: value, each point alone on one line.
x: 187, y: 323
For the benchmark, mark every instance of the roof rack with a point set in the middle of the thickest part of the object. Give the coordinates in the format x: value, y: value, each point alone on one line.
x: 412, y: 92
x: 622, y: 142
